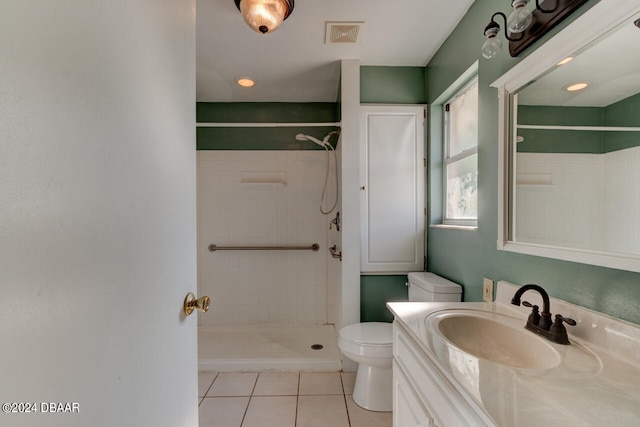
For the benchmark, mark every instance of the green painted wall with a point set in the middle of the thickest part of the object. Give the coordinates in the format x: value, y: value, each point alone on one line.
x: 392, y: 85
x: 387, y: 85
x: 558, y: 141
x: 623, y: 113
x: 468, y: 256
x: 376, y: 291
x: 267, y: 138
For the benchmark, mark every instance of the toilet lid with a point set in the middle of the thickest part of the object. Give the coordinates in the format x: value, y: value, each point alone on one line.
x: 371, y: 333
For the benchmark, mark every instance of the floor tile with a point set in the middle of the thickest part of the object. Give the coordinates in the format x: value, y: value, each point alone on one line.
x: 317, y: 383
x: 322, y: 411
x: 348, y: 381
x: 362, y: 418
x: 271, y: 411
x: 204, y: 382
x: 222, y: 411
x: 233, y: 384
x: 277, y: 384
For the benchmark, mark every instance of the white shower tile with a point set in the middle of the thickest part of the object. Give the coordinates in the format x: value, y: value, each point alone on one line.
x: 255, y: 287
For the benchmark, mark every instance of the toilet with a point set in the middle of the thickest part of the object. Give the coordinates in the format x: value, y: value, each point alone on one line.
x: 370, y: 344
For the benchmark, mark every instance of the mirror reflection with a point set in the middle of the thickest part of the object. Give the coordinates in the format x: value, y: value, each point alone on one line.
x: 576, y: 150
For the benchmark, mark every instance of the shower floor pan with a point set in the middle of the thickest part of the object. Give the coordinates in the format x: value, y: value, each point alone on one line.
x: 258, y: 348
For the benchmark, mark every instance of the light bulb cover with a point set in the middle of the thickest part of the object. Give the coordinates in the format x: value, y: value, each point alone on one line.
x: 265, y: 16
x: 520, y: 19
x: 491, y: 46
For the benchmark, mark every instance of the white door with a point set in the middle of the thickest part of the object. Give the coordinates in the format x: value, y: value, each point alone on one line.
x: 97, y: 213
x: 393, y: 179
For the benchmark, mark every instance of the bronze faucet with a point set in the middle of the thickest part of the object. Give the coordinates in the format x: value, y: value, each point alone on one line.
x: 540, y: 323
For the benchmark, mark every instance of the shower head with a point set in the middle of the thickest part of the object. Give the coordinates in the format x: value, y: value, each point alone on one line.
x: 324, y: 143
x: 303, y: 137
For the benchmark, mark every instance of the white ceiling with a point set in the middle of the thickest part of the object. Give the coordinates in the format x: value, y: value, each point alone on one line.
x: 609, y: 65
x: 293, y: 64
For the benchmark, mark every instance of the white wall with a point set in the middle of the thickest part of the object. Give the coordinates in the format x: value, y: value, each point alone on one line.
x: 622, y: 200
x: 97, y: 211
x: 349, y: 285
x: 587, y: 201
x: 256, y: 287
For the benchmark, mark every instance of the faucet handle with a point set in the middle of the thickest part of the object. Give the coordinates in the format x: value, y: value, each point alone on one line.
x: 567, y: 320
x: 558, y: 332
x: 534, y: 317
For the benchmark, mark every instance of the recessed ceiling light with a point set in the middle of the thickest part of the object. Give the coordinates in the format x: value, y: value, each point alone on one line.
x: 574, y: 87
x: 245, y: 81
x: 565, y: 60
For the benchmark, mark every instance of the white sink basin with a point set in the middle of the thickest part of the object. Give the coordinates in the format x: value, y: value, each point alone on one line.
x: 491, y: 336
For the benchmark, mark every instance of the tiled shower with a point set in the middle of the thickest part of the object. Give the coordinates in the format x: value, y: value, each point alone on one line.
x: 600, y: 209
x: 264, y: 198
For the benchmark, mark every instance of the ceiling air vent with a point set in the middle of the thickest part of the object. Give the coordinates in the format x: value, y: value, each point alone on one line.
x: 343, y: 32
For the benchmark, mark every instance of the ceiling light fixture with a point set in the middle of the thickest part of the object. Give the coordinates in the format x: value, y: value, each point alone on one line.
x: 565, y: 60
x: 265, y: 16
x: 245, y: 81
x: 527, y: 24
x: 574, y: 87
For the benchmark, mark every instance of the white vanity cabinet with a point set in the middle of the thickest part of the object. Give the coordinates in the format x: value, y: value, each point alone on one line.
x: 392, y: 180
x: 408, y: 411
x: 422, y: 396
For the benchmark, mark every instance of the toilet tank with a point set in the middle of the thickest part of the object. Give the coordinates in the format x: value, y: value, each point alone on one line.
x: 424, y: 287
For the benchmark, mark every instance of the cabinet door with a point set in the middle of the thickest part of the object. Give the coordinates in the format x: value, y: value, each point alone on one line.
x: 393, y: 179
x: 407, y: 409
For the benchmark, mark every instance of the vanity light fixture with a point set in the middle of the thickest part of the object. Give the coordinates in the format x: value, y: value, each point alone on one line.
x: 520, y: 18
x: 493, y: 44
x: 529, y: 24
x: 265, y: 16
x: 575, y: 87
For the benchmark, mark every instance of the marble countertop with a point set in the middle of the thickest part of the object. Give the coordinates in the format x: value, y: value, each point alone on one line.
x: 597, y: 381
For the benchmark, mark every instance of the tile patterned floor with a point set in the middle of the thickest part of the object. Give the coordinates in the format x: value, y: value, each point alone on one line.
x: 282, y: 399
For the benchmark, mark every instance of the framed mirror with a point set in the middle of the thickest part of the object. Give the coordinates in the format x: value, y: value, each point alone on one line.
x: 570, y: 143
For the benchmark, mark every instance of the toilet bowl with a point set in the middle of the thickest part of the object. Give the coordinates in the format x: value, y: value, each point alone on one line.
x: 370, y: 345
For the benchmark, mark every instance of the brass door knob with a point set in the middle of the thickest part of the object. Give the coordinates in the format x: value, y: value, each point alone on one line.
x: 191, y: 303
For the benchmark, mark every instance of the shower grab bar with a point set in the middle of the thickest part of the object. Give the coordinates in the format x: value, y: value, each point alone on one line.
x: 265, y: 125
x: 314, y: 247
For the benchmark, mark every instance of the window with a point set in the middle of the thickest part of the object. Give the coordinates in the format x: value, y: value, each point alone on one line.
x: 461, y: 156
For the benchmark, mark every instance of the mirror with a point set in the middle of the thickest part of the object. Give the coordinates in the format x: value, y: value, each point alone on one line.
x: 571, y: 178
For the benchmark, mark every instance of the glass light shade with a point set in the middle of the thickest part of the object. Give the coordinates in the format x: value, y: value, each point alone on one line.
x: 264, y: 16
x: 491, y: 47
x: 519, y: 19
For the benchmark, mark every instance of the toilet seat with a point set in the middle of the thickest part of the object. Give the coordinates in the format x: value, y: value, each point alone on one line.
x: 371, y: 339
